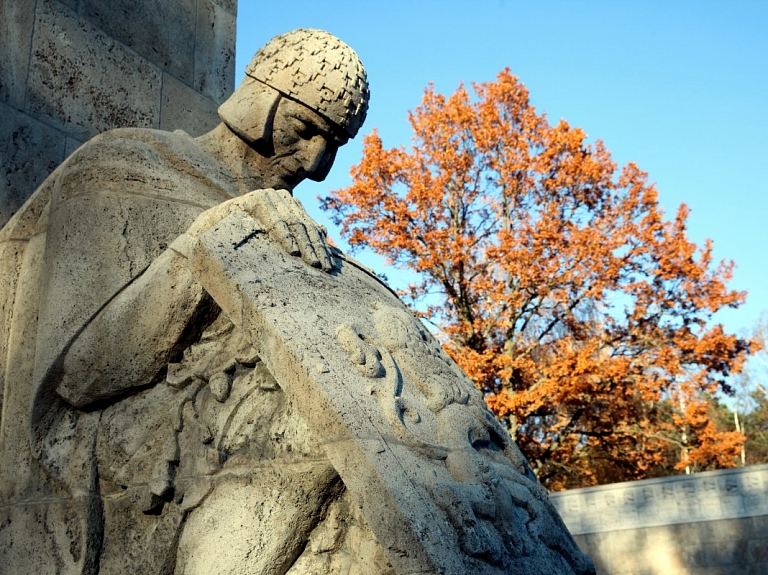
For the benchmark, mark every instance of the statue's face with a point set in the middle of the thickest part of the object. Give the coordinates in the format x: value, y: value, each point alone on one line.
x: 304, y: 143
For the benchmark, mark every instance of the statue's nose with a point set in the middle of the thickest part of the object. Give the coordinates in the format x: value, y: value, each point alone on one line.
x: 313, y: 154
x: 319, y: 159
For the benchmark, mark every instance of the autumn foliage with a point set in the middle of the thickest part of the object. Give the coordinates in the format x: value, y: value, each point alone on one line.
x: 556, y: 283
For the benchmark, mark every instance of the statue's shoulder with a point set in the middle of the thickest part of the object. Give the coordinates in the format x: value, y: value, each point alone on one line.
x: 113, y: 147
x: 131, y: 149
x: 139, y: 161
x: 160, y: 140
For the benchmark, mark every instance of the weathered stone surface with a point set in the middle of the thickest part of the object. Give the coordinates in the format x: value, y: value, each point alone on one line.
x: 228, y: 5
x: 84, y: 82
x: 214, y: 50
x: 185, y: 109
x: 16, y: 31
x: 95, y: 65
x: 438, y: 479
x: 30, y: 150
x: 161, y: 31
x: 71, y: 4
x: 71, y: 146
x: 342, y: 543
x: 40, y: 535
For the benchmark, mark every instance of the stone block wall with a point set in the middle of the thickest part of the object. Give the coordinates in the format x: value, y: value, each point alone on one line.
x: 73, y: 68
x: 711, y: 523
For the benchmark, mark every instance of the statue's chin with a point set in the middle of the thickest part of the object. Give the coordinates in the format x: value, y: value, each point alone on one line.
x: 282, y: 182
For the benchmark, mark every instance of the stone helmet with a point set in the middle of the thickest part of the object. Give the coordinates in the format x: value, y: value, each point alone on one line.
x: 309, y: 66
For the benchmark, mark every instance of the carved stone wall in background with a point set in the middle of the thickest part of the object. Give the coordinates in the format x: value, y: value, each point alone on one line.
x: 711, y: 522
x: 71, y: 69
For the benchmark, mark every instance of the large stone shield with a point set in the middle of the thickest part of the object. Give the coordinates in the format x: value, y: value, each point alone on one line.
x: 440, y: 482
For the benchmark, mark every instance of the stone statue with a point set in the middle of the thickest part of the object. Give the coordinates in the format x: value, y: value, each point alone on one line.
x: 194, y: 381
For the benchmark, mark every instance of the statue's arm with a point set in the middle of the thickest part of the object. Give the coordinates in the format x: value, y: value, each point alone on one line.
x: 128, y: 344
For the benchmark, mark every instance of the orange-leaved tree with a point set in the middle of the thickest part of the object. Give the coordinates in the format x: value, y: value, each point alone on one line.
x: 556, y: 283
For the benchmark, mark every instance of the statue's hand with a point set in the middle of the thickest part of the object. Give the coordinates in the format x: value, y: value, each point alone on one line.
x: 288, y: 223
x: 283, y: 217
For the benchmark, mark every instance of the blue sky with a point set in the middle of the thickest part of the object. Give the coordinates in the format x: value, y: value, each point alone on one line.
x: 680, y: 87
